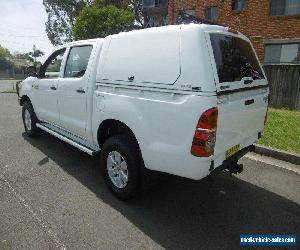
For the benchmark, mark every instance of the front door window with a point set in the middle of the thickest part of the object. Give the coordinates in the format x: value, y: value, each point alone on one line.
x: 51, y: 67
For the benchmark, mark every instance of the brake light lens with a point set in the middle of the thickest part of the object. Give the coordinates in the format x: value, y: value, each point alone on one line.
x: 205, y: 135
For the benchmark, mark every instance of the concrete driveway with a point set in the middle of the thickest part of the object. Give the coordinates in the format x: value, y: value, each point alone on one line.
x: 52, y: 196
x: 7, y: 85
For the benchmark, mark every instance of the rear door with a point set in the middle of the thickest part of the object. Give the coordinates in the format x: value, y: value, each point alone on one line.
x: 242, y: 91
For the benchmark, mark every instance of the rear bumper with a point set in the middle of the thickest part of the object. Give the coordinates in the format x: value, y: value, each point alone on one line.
x: 18, y: 91
x: 18, y: 87
x: 184, y: 164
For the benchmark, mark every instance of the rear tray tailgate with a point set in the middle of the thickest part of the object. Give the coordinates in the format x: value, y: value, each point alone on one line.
x: 242, y: 91
x: 240, y: 119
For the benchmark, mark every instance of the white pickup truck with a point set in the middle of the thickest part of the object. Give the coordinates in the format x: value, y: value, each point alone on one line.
x: 183, y: 99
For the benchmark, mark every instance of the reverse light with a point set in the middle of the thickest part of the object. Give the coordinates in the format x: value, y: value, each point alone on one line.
x: 205, y: 135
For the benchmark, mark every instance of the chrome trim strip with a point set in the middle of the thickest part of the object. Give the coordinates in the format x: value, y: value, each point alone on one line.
x: 67, y: 140
x: 62, y: 129
x: 206, y: 130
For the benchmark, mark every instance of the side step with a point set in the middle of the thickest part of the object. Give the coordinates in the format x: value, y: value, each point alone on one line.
x: 68, y: 140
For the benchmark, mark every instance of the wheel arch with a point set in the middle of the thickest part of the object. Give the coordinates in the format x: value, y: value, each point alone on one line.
x: 111, y: 127
x: 24, y: 99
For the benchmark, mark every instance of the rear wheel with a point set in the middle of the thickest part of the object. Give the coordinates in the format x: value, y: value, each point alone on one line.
x: 121, y: 166
x: 29, y: 120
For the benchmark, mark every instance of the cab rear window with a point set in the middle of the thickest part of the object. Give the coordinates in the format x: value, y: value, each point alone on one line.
x: 235, y: 58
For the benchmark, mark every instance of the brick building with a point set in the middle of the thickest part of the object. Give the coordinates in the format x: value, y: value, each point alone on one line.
x: 272, y: 25
x: 155, y: 12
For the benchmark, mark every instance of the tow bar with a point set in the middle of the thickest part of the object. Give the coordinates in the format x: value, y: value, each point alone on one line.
x: 231, y: 164
x: 235, y: 168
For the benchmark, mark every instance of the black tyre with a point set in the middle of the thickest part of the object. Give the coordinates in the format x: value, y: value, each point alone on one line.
x: 29, y: 120
x: 121, y: 166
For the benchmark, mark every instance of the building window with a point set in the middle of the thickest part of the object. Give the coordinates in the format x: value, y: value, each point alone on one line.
x: 165, y: 20
x: 238, y: 5
x: 152, y: 22
x: 282, y: 53
x: 185, y: 16
x: 162, y: 2
x: 153, y: 3
x: 211, y: 13
x: 284, y: 7
x: 189, y: 12
x: 148, y: 3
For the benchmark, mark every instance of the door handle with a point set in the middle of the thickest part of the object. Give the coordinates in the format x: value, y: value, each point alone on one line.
x: 53, y: 87
x: 246, y: 82
x: 130, y: 78
x: 35, y: 86
x: 249, y: 102
x: 80, y: 90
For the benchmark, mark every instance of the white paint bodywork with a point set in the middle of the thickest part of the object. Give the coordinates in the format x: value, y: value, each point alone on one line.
x: 174, y: 82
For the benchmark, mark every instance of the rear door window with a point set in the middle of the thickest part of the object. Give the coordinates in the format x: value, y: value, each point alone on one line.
x: 235, y: 58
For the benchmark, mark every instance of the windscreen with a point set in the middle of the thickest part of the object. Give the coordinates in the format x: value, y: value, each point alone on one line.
x: 234, y: 58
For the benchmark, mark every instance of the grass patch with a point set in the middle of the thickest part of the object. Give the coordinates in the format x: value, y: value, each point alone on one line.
x: 282, y: 130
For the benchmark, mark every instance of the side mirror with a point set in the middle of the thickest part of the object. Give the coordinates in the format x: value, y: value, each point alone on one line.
x: 31, y: 71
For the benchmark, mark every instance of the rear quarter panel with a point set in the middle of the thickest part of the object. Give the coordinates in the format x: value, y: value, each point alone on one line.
x: 163, y: 123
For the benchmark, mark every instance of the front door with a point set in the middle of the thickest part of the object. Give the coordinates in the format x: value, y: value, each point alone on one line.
x: 72, y: 91
x: 45, y: 88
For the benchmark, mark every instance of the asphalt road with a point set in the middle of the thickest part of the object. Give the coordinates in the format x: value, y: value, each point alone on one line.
x: 53, y: 196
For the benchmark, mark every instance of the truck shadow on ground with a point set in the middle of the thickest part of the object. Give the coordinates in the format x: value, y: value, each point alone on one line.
x: 182, y: 214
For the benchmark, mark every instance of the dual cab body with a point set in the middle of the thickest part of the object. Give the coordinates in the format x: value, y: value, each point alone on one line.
x: 156, y: 84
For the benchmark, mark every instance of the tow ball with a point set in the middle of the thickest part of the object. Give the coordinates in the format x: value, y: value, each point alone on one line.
x: 235, y: 168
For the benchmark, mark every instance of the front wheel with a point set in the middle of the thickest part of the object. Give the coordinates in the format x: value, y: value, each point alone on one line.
x: 29, y: 120
x: 121, y: 166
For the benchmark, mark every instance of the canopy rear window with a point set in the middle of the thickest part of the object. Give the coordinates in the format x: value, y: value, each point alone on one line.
x: 235, y: 58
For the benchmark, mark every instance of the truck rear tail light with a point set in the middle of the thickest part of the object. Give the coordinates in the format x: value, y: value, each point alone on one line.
x: 205, y: 135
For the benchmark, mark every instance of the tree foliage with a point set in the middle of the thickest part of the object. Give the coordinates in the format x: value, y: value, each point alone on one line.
x: 4, y: 52
x: 25, y: 56
x: 61, y: 18
x: 35, y: 53
x: 4, y: 59
x: 8, y: 61
x: 62, y: 15
x: 135, y: 6
x: 96, y: 21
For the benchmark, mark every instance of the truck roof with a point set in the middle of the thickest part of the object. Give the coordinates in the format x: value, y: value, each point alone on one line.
x: 83, y: 41
x: 204, y: 27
